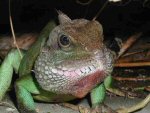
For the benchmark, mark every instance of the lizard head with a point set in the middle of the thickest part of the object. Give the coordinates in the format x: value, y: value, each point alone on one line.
x: 74, y: 59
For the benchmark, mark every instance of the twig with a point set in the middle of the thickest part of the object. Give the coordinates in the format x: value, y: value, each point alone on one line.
x: 12, y: 30
x: 84, y: 3
x: 131, y: 78
x: 147, y: 88
x: 132, y: 53
x: 128, y: 43
x: 105, y: 4
x: 135, y: 57
x: 132, y: 64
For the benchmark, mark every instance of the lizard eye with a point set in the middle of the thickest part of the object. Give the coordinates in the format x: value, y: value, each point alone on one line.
x: 64, y: 41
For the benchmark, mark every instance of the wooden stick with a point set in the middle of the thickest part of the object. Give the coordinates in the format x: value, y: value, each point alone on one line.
x: 132, y: 53
x: 132, y: 64
x: 131, y: 78
x: 84, y: 3
x: 147, y: 88
x: 12, y: 30
x: 129, y: 43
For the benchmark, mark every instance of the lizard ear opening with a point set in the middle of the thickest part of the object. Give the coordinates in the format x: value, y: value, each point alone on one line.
x: 63, y: 18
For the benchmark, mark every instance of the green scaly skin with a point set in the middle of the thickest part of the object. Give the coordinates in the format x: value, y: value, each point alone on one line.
x: 11, y: 62
x: 28, y: 87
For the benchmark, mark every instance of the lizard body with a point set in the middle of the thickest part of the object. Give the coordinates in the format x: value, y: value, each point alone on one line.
x: 69, y: 62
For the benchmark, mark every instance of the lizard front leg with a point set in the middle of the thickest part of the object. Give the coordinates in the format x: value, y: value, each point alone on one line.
x: 24, y: 87
x: 97, y: 98
x: 98, y: 95
x: 108, y: 85
x: 11, y: 61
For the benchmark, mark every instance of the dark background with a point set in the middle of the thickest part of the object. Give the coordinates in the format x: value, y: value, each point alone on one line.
x: 118, y: 19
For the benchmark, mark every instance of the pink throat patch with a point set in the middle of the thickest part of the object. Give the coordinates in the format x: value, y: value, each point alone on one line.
x: 85, y: 85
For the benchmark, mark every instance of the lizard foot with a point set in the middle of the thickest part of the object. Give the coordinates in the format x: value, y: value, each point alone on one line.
x: 25, y: 110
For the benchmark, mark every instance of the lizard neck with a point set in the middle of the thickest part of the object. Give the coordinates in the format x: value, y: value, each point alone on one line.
x: 77, y: 76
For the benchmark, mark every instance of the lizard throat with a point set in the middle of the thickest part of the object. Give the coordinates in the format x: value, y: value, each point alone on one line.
x: 84, y: 86
x: 77, y: 82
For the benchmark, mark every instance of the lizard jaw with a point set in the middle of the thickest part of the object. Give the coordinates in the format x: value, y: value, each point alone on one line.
x: 86, y: 84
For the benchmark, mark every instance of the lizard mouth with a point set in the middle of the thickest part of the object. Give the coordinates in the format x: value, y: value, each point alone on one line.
x: 83, y: 86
